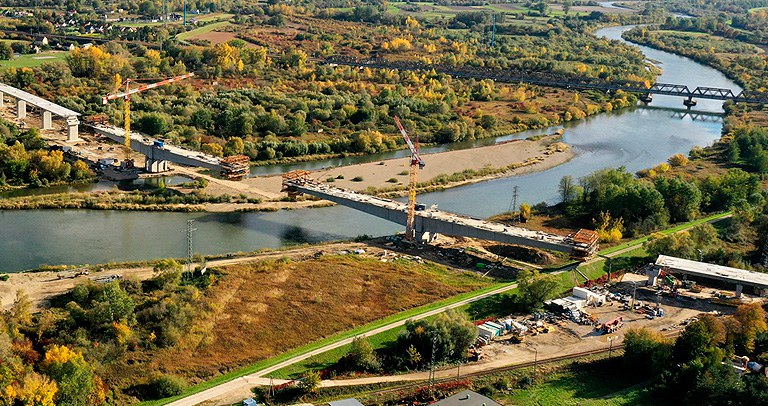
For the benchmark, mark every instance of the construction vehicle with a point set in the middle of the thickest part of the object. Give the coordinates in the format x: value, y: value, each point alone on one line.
x: 126, y: 95
x: 611, y: 326
x: 416, y: 164
x: 235, y: 167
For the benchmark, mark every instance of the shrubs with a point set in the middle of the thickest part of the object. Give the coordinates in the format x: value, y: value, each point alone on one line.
x: 357, y: 179
x: 165, y: 386
x: 678, y: 160
x: 392, y: 180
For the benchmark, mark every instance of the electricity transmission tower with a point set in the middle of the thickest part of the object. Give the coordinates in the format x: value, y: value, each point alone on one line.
x: 513, y: 205
x: 190, y: 250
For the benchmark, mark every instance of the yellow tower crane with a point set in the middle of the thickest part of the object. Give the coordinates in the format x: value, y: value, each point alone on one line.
x: 416, y: 164
x: 127, y: 97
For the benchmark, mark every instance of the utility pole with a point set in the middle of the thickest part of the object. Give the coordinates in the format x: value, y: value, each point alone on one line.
x: 493, y: 32
x: 432, y: 364
x: 190, y: 250
x: 634, y: 294
x: 535, y: 362
x: 610, y: 345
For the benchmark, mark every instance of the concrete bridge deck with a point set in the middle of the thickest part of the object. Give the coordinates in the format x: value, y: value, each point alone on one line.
x: 431, y: 222
x: 48, y: 109
x: 157, y: 157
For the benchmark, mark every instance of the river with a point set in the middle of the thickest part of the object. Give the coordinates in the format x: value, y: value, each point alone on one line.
x: 636, y: 139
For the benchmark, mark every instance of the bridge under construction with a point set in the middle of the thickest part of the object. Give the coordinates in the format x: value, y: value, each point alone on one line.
x: 431, y: 222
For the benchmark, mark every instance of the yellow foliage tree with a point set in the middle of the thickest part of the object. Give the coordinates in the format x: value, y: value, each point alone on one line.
x: 525, y: 212
x: 61, y: 354
x: 609, y: 229
x: 412, y: 22
x: 397, y: 45
x: 122, y: 332
x: 38, y: 390
x: 678, y: 160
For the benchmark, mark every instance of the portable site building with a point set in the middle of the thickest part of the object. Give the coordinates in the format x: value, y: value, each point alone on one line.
x: 483, y: 331
x: 498, y: 326
x: 519, y: 327
x: 497, y: 331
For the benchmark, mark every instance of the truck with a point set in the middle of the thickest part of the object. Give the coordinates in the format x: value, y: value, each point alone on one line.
x: 159, y: 143
x: 611, y: 326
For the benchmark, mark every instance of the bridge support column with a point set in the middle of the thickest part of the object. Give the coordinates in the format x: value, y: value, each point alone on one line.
x: 156, y: 166
x: 47, y: 120
x: 72, y: 129
x: 653, y: 274
x: 21, y: 109
x: 739, y: 288
x: 689, y: 102
x: 2, y: 99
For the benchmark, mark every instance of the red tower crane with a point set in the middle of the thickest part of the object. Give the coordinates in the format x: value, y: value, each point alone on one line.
x: 416, y: 164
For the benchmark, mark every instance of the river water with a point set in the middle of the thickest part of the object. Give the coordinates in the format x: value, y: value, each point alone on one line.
x: 636, y: 139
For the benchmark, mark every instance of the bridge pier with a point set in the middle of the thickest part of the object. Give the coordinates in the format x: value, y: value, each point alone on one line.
x: 21, y: 109
x: 689, y: 102
x: 47, y: 120
x: 646, y: 98
x: 72, y: 129
x: 2, y: 99
x: 739, y: 288
x: 156, y: 165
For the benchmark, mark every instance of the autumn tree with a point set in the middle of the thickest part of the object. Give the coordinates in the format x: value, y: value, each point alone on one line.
x: 646, y: 350
x: 525, y: 212
x: 361, y: 356
x: 751, y: 318
x: 567, y: 189
x: 534, y: 288
x: 74, y: 375
x: 310, y: 382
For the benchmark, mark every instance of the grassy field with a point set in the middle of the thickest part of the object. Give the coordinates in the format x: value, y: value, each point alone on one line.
x: 668, y: 231
x: 377, y: 284
x: 202, y: 30
x: 604, y: 382
x: 31, y: 60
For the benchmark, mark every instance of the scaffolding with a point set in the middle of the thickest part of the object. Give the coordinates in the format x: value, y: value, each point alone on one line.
x: 235, y: 167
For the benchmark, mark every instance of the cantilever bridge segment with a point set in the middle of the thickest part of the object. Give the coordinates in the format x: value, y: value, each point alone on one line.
x: 429, y: 223
x: 645, y: 90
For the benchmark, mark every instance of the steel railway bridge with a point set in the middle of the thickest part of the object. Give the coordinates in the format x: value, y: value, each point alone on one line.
x: 644, y: 90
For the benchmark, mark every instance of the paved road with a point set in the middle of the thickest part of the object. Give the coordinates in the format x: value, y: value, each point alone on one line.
x: 241, y: 386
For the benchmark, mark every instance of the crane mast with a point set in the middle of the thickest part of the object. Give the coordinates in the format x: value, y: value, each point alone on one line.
x: 127, y: 97
x: 416, y: 164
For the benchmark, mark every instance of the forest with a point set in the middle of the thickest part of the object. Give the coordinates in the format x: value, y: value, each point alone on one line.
x: 266, y: 94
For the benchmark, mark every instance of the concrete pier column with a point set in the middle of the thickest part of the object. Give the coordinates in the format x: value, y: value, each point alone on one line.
x: 653, y: 274
x: 739, y: 288
x: 21, y: 109
x: 2, y: 99
x: 47, y: 120
x: 72, y: 129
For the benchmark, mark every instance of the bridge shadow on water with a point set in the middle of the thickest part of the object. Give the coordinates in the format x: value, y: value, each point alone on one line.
x: 682, y: 113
